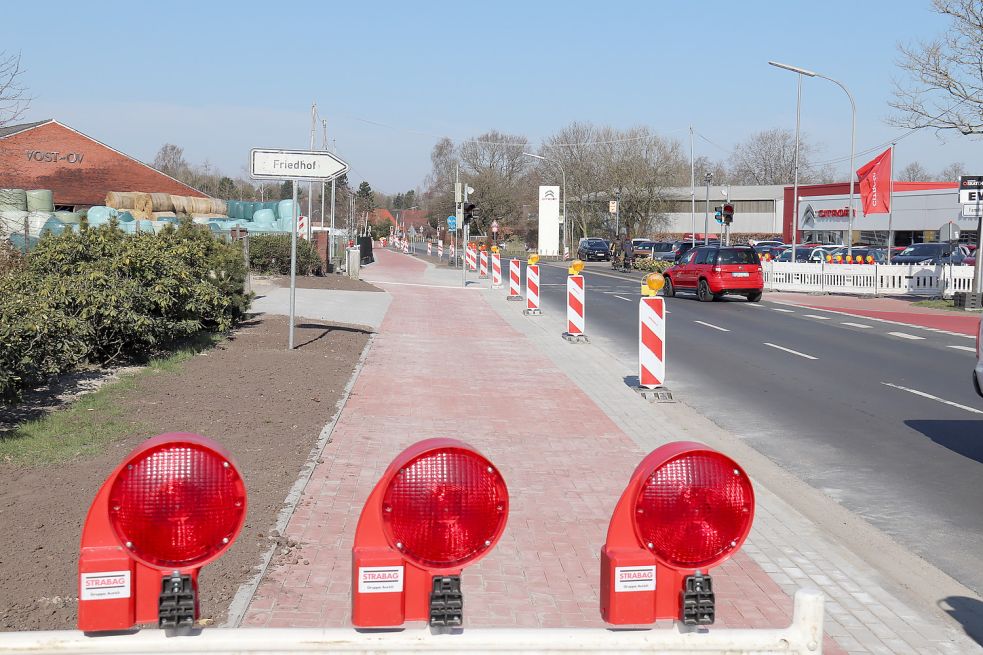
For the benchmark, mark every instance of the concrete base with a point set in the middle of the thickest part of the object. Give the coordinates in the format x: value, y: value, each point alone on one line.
x: 532, y: 312
x: 513, y: 298
x: 658, y: 394
x: 497, y: 286
x: 576, y: 338
x: 482, y: 277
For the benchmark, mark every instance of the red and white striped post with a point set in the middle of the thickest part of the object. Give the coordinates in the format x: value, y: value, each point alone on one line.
x: 532, y: 291
x: 472, y: 256
x: 651, y: 342
x: 496, y: 270
x: 483, y: 265
x: 452, y: 252
x: 406, y: 247
x: 515, y: 278
x: 440, y: 250
x: 429, y: 249
x: 576, y: 313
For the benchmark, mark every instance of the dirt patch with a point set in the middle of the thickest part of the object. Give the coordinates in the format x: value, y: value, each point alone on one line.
x: 331, y: 281
x: 265, y: 405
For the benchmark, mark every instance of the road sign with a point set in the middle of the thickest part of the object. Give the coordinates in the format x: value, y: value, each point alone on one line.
x: 973, y: 210
x: 949, y: 232
x: 452, y: 223
x: 612, y: 206
x: 295, y: 165
x: 970, y: 189
x: 494, y: 227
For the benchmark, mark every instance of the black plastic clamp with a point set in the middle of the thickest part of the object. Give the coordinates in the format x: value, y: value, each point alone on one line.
x: 446, y: 602
x: 177, y: 608
x: 698, y: 600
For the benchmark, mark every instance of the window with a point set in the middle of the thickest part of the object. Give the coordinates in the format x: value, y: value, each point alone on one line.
x: 704, y: 255
x: 737, y: 256
x: 665, y: 246
x: 688, y: 257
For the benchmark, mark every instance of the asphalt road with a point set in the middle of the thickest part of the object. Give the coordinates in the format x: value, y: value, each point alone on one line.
x: 838, y: 401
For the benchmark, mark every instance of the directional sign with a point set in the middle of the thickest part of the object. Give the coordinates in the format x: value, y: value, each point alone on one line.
x: 452, y: 223
x: 314, y: 165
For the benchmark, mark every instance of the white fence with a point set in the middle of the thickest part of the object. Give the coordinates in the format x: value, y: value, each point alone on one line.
x: 804, y: 636
x: 868, y: 279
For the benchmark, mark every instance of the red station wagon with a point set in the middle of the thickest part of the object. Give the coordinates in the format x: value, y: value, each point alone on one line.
x: 712, y: 271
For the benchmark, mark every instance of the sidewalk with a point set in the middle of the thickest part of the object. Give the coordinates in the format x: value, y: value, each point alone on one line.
x: 462, y: 362
x: 886, y: 309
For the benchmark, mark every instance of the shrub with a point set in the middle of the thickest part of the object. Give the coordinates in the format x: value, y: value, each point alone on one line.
x: 101, y: 296
x: 649, y: 265
x: 270, y: 254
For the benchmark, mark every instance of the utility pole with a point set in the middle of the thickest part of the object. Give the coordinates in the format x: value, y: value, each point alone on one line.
x: 692, y: 184
x: 310, y: 185
x: 707, y: 177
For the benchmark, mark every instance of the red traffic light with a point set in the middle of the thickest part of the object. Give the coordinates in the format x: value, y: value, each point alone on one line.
x: 686, y: 508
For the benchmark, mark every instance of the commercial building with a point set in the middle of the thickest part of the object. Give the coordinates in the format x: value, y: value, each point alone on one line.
x: 758, y: 210
x: 919, y: 209
x: 77, y: 168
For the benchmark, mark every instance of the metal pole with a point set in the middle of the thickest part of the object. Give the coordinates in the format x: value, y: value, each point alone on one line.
x: 795, y: 185
x: 978, y: 266
x: 293, y: 264
x: 566, y: 232
x: 706, y: 211
x: 692, y: 184
x: 890, y: 211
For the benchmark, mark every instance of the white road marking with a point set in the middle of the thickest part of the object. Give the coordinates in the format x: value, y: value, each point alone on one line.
x: 846, y: 312
x: 789, y: 350
x: 905, y: 335
x: 623, y: 298
x: 857, y: 325
x: 966, y: 348
x: 786, y: 311
x: 931, y: 397
x: 817, y: 317
x: 711, y: 325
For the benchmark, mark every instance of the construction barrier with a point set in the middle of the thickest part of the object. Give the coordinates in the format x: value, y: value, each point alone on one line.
x: 651, y: 342
x: 406, y: 248
x: 453, y: 253
x: 483, y: 265
x: 532, y: 290
x: 429, y: 249
x: 576, y: 312
x: 440, y: 250
x: 515, y: 278
x: 472, y: 258
x: 496, y: 270
x: 868, y: 279
x: 302, y: 226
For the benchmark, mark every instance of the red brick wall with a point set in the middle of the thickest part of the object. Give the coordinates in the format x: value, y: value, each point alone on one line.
x: 74, y: 182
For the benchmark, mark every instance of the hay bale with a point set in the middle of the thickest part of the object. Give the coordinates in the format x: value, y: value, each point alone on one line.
x: 220, y: 207
x: 13, y: 200
x: 129, y: 200
x: 180, y: 204
x: 161, y: 202
x: 68, y: 218
x: 161, y: 215
x: 12, y: 221
x: 40, y: 200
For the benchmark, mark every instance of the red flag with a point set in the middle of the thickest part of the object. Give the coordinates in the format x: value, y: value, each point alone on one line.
x: 875, y: 184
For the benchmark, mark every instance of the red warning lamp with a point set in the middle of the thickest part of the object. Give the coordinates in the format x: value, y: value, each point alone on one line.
x: 439, y: 507
x: 686, y: 509
x: 176, y: 503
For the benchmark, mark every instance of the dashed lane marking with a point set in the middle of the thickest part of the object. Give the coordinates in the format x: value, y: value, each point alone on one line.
x: 966, y: 348
x: 857, y: 325
x: 817, y: 317
x: 784, y: 311
x: 846, y: 312
x: 905, y: 335
x: 711, y: 325
x: 623, y: 298
x: 789, y: 350
x: 931, y: 397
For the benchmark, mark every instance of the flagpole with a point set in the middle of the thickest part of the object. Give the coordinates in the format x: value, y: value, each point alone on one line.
x: 890, y: 208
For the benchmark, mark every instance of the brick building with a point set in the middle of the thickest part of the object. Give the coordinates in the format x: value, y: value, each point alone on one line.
x: 77, y: 168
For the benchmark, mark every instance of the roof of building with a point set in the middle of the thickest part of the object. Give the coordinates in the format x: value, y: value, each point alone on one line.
x: 384, y: 214
x: 413, y: 218
x: 14, y: 129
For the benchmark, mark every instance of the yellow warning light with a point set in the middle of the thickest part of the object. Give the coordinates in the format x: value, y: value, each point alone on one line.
x: 533, y: 259
x: 575, y: 267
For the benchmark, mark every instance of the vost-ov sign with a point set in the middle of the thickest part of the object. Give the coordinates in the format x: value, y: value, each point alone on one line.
x: 295, y: 165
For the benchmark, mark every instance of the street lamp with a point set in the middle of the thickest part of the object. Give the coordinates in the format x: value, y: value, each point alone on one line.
x: 563, y: 175
x: 707, y: 177
x: 853, y: 142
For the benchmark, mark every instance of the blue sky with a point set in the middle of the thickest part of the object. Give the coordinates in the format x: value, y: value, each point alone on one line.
x: 218, y: 78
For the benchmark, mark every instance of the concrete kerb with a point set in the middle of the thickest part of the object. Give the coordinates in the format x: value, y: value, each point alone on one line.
x: 893, y: 578
x: 244, y: 595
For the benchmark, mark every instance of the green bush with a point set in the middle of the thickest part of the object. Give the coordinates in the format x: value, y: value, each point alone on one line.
x: 102, y: 296
x: 270, y: 254
x: 649, y: 265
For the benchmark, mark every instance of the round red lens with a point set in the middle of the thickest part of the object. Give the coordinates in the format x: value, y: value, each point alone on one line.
x: 445, y: 507
x: 694, y: 509
x: 177, y: 505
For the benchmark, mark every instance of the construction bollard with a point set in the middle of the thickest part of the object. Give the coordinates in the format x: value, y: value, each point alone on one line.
x: 472, y: 256
x: 440, y: 250
x: 651, y: 342
x: 483, y: 265
x: 515, y: 279
x: 575, y: 310
x: 532, y: 291
x: 429, y: 249
x: 406, y: 248
x: 496, y: 271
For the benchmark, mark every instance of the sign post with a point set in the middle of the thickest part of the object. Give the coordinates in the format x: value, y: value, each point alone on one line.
x: 971, y: 198
x: 296, y: 166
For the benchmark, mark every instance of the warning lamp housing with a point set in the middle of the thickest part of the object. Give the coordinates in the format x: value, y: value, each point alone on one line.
x: 439, y: 507
x: 686, y: 508
x: 174, y: 504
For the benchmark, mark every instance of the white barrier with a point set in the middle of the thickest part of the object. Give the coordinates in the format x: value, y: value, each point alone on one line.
x: 868, y: 279
x: 804, y: 636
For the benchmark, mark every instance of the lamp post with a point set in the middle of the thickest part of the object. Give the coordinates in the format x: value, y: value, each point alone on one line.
x: 853, y: 141
x: 708, y: 177
x: 563, y: 176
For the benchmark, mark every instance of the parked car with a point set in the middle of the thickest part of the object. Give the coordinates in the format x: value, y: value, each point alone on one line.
x: 767, y: 243
x: 879, y: 254
x: 680, y: 248
x: 595, y: 250
x: 713, y: 271
x: 659, y: 250
x: 805, y: 254
x: 930, y: 253
x: 978, y: 372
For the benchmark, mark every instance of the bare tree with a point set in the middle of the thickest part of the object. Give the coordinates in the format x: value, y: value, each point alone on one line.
x: 170, y: 161
x: 14, y: 100
x: 913, y: 172
x: 946, y: 87
x: 494, y: 165
x: 952, y: 172
x: 768, y: 157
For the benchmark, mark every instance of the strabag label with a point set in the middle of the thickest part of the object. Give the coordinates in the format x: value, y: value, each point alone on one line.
x: 105, y: 585
x: 380, y: 579
x: 634, y: 578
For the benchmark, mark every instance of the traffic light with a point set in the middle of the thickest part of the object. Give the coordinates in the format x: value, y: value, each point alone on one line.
x: 469, y: 212
x: 718, y: 215
x: 728, y: 213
